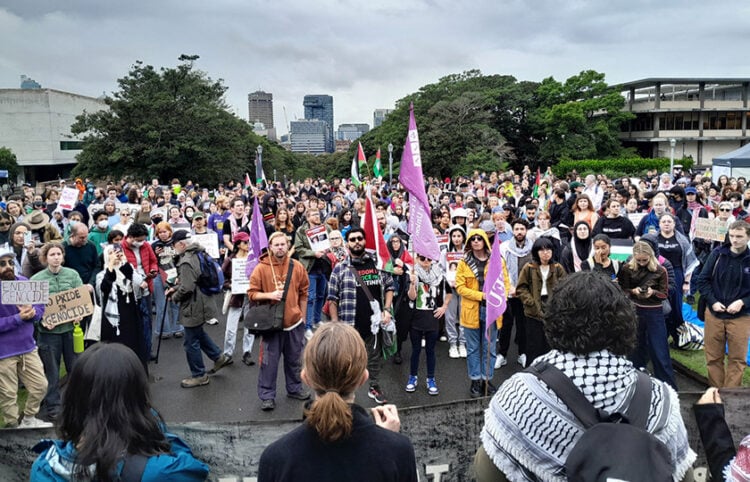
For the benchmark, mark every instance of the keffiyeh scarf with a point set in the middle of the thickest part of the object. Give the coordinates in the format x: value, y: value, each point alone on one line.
x: 528, y: 432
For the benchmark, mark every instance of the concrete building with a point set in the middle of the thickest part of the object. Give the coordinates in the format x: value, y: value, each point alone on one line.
x: 351, y: 132
x: 707, y: 117
x: 35, y: 125
x: 379, y: 115
x: 320, y: 107
x: 310, y: 136
x: 260, y: 109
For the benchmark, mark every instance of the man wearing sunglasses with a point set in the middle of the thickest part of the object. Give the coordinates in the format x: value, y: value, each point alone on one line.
x: 350, y: 303
x: 19, y: 357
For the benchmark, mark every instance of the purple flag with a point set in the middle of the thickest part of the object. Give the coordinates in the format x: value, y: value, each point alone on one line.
x: 420, y: 222
x: 258, y: 238
x: 494, y: 287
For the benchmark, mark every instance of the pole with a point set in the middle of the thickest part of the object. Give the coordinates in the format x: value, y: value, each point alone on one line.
x: 390, y: 164
x: 672, y: 143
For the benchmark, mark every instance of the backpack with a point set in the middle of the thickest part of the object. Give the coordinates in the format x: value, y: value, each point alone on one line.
x: 211, y: 278
x: 614, y: 446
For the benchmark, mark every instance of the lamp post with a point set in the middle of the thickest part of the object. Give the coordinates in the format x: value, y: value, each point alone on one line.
x: 390, y: 164
x: 672, y: 143
x: 259, y: 150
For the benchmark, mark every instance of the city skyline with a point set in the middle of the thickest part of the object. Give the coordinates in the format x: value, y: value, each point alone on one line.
x: 366, y: 55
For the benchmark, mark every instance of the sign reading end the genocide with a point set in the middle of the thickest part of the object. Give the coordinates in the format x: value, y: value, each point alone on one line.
x: 67, y: 306
x: 25, y: 292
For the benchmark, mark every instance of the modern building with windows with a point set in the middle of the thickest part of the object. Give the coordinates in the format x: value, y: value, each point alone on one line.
x: 310, y: 136
x: 707, y: 117
x: 320, y: 107
x: 260, y: 109
x: 379, y: 115
x: 351, y: 132
x: 35, y: 125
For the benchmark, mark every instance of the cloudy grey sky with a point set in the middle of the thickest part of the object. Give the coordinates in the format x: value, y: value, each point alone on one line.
x: 366, y: 54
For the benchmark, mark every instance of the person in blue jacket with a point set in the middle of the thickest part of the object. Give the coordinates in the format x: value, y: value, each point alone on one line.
x: 107, y: 423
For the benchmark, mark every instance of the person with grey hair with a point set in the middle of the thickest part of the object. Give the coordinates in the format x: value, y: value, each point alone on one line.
x: 594, y: 191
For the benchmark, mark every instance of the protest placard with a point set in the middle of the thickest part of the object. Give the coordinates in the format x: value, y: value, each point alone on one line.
x: 710, y: 229
x: 635, y: 218
x: 69, y: 305
x: 451, y: 261
x: 210, y: 243
x: 68, y: 198
x: 442, y: 240
x: 240, y: 281
x: 318, y: 238
x: 25, y: 292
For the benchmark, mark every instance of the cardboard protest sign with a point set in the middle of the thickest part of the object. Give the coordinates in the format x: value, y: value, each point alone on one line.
x: 240, y: 281
x: 318, y: 238
x: 442, y: 240
x: 69, y: 305
x: 209, y: 242
x: 68, y: 198
x: 710, y: 229
x: 25, y: 292
x: 451, y: 264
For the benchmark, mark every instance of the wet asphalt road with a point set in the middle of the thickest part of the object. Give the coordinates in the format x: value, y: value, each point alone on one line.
x: 232, y: 394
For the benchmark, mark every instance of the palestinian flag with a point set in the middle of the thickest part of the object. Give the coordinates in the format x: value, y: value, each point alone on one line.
x: 621, y: 249
x: 377, y: 169
x: 538, y: 181
x: 374, y: 240
x: 359, y: 164
x: 247, y: 180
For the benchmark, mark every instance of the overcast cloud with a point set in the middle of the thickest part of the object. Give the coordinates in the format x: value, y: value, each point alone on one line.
x: 366, y: 54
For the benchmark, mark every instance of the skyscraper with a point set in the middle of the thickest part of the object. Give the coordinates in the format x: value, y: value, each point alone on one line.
x: 379, y: 116
x: 351, y: 132
x: 321, y: 107
x: 260, y: 108
x: 310, y: 136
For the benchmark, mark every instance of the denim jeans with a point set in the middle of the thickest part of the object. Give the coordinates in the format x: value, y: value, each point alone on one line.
x: 477, y: 349
x: 52, y: 346
x: 197, y: 341
x: 230, y: 334
x: 316, y: 296
x: 430, y: 338
x: 652, y: 343
x: 172, y: 316
x: 145, y: 305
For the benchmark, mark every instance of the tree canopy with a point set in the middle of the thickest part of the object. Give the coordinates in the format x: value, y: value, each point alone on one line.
x: 8, y: 162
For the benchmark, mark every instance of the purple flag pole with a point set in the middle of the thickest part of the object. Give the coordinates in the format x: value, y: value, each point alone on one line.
x: 494, y: 287
x: 258, y: 238
x: 410, y: 176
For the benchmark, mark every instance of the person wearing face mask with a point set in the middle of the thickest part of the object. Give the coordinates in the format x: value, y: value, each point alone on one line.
x: 139, y: 254
x: 99, y: 231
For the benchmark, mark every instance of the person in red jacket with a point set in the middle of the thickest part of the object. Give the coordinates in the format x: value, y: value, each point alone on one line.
x: 139, y: 254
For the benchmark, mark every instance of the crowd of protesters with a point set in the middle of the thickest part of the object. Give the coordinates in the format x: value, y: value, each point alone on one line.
x: 132, y: 245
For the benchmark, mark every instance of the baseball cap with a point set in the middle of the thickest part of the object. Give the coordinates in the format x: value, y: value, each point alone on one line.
x: 180, y: 235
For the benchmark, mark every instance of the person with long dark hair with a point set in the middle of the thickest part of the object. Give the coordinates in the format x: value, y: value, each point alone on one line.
x: 400, y: 264
x: 338, y: 437
x: 579, y: 249
x: 107, y: 423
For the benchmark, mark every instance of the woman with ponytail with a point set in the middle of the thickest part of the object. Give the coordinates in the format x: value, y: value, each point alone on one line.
x: 339, y: 439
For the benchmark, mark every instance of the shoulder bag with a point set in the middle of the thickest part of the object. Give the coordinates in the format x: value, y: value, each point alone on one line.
x: 268, y: 317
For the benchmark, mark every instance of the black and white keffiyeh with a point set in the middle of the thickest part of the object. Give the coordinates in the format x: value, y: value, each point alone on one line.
x: 528, y: 431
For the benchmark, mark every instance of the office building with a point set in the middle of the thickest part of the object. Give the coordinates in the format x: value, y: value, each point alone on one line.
x: 260, y: 109
x: 35, y: 125
x: 351, y: 132
x: 320, y: 107
x: 707, y: 117
x: 29, y: 83
x: 310, y: 136
x: 379, y: 115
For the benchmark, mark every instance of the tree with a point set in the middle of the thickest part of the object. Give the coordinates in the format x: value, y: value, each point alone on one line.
x: 167, y: 123
x: 9, y: 162
x: 579, y: 119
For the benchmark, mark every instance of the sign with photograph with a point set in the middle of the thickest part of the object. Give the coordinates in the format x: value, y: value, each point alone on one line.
x: 318, y: 238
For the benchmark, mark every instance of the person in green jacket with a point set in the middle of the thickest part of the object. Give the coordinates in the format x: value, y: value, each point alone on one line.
x: 55, y: 341
x: 100, y: 230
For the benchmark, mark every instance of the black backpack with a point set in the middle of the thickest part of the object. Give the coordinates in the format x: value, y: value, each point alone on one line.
x: 211, y: 278
x: 614, y: 446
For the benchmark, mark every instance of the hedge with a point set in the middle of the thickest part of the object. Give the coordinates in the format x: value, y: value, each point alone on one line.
x: 635, y: 166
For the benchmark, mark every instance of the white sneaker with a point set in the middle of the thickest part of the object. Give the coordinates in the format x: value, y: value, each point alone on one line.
x: 522, y: 359
x: 33, y: 422
x: 453, y: 352
x: 462, y: 351
x: 212, y: 321
x: 424, y: 343
x: 443, y: 338
x: 308, y: 334
x: 500, y: 361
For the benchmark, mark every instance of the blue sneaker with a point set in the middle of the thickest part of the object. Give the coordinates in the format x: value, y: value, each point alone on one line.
x: 411, y: 385
x: 432, y: 388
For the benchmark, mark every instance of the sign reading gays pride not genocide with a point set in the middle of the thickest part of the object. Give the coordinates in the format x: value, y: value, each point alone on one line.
x: 69, y: 305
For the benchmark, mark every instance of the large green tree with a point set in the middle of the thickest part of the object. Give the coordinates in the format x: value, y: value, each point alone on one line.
x: 9, y: 162
x: 171, y: 122
x: 578, y: 119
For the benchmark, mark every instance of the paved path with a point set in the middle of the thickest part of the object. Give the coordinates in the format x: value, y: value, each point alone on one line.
x: 232, y: 394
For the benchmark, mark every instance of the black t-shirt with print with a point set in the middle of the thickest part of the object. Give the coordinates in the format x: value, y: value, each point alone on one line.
x: 371, y: 278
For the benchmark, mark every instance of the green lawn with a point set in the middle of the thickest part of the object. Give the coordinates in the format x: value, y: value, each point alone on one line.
x: 696, y: 361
